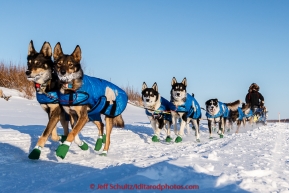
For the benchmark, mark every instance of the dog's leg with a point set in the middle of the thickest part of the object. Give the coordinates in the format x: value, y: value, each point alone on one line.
x: 81, y: 112
x: 182, y: 127
x: 168, y: 131
x: 174, y: 121
x: 196, y: 125
x: 82, y: 144
x: 108, y: 126
x: 153, y: 122
x: 210, y: 128
x: 238, y: 125
x: 64, y: 122
x: 54, y: 117
x: 222, y: 126
x: 101, y: 137
x: 230, y: 124
x: 244, y: 122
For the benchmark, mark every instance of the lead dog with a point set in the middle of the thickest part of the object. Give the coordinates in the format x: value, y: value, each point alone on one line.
x: 218, y: 112
x: 85, y: 98
x: 186, y: 107
x: 158, y: 111
x: 40, y: 71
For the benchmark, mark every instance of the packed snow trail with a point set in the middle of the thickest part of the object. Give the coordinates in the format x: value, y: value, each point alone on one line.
x: 254, y: 160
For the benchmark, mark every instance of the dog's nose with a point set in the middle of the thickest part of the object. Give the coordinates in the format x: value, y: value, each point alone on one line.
x: 178, y: 94
x: 62, y: 72
x: 148, y: 100
x: 28, y: 72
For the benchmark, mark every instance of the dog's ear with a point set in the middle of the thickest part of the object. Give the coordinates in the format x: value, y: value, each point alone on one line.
x: 76, y: 54
x: 155, y: 86
x: 46, y: 49
x: 31, y: 49
x: 57, y: 52
x: 184, y: 82
x: 174, y: 81
x: 144, y: 86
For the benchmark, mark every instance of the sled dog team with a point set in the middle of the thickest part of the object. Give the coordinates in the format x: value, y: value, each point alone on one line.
x: 184, y: 107
x: 69, y: 96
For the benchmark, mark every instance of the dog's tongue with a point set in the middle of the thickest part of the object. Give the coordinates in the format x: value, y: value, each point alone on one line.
x: 37, y: 85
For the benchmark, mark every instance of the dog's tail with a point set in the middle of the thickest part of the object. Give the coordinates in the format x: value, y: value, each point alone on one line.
x: 118, y: 121
x: 234, y: 105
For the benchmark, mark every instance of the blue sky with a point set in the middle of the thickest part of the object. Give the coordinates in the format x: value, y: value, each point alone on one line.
x: 221, y: 47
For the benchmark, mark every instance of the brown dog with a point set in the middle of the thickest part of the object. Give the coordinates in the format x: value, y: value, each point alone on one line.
x: 78, y: 102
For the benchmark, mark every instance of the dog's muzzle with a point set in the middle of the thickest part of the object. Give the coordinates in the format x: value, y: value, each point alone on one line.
x: 65, y: 78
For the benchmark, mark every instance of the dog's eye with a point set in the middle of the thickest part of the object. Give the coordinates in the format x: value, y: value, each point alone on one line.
x: 152, y: 95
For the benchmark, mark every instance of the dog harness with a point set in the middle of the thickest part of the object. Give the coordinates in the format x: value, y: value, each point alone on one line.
x: 93, y: 93
x: 191, y: 106
x: 224, y: 111
x: 165, y: 106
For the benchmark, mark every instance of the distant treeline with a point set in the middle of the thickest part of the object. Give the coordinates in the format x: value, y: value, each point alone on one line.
x: 281, y: 121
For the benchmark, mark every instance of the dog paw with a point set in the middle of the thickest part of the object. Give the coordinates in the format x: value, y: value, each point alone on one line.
x: 211, y: 138
x: 221, y: 136
x: 84, y: 146
x: 198, y: 140
x: 62, y: 150
x: 155, y: 139
x: 35, y: 154
x: 178, y: 139
x: 98, y: 144
x: 168, y: 139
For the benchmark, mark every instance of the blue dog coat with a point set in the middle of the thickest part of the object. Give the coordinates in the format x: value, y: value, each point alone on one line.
x: 92, y: 93
x: 192, y: 108
x: 243, y: 115
x: 165, y: 106
x: 224, y: 111
x: 48, y: 98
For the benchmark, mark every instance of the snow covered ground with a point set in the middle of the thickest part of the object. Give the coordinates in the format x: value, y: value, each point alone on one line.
x: 255, y: 160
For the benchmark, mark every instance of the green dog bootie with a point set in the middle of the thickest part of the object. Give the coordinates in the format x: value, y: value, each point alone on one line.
x: 178, y: 139
x: 221, y: 136
x: 98, y: 144
x: 84, y: 146
x: 211, y: 138
x: 198, y: 140
x: 103, y: 138
x: 168, y: 139
x: 35, y: 154
x: 62, y: 150
x: 155, y: 138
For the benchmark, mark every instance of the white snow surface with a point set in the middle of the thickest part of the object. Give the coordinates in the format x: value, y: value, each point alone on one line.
x: 254, y: 160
